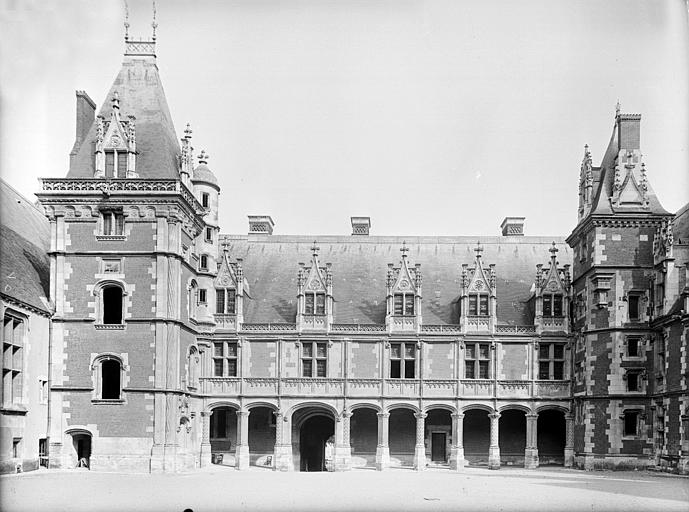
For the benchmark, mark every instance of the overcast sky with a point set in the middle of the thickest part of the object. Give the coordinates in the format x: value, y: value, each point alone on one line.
x: 433, y: 118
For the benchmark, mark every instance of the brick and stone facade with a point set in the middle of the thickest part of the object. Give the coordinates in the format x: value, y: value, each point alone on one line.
x: 176, y: 346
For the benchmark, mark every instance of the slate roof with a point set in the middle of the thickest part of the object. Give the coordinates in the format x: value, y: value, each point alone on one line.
x: 24, y: 243
x: 141, y: 94
x: 359, y: 266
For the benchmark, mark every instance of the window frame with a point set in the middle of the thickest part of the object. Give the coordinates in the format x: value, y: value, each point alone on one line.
x: 225, y: 358
x: 476, y: 302
x: 403, y: 359
x: 225, y: 294
x: 112, y: 223
x: 15, y: 370
x: 476, y: 360
x: 639, y: 343
x: 634, y: 297
x: 97, y: 369
x: 314, y: 359
x: 634, y: 375
x: 208, y: 235
x: 407, y: 304
x: 203, y: 262
x: 205, y: 200
x: 551, y: 360
x: 314, y: 303
x: 551, y: 305
x: 637, y: 415
x: 203, y: 296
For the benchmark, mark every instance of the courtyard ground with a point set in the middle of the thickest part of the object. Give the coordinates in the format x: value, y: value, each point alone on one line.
x: 222, y: 488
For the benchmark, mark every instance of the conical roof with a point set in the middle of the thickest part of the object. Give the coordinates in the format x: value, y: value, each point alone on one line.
x: 141, y: 94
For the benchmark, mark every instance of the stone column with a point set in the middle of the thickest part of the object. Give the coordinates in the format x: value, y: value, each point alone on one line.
x: 205, y: 438
x: 343, y: 450
x: 283, y: 444
x: 242, y: 454
x: 457, y: 448
x: 420, y: 448
x: 569, y: 440
x: 531, y: 452
x: 494, y: 449
x: 383, y: 450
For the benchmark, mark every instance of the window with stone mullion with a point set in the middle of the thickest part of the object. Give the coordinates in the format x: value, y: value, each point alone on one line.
x: 402, y: 360
x: 552, y: 305
x: 477, y: 361
x: 551, y: 361
x: 12, y: 360
x: 225, y: 301
x: 403, y: 304
x: 478, y: 304
x: 314, y: 304
x: 224, y: 359
x: 314, y: 359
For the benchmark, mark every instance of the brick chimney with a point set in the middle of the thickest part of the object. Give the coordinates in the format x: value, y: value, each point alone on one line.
x: 86, y: 113
x: 629, y: 131
x: 261, y: 225
x: 513, y: 226
x: 361, y: 225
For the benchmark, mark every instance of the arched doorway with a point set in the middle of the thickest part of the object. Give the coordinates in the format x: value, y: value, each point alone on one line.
x: 81, y: 441
x: 363, y: 436
x: 223, y: 435
x: 261, y: 436
x: 438, y: 433
x: 402, y: 437
x: 512, y: 438
x: 316, y: 436
x: 551, y: 432
x: 476, y: 438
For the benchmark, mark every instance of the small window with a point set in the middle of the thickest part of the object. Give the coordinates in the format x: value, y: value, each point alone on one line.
x: 314, y: 304
x: 204, y: 262
x: 552, y: 305
x: 109, y: 164
x: 402, y: 360
x: 209, y: 235
x: 112, y: 305
x: 225, y: 359
x: 404, y: 304
x: 12, y: 360
x: 476, y: 361
x: 633, y: 307
x: 633, y: 346
x: 551, y: 361
x: 16, y: 447
x: 631, y: 423
x: 111, y: 371
x: 478, y: 304
x: 202, y: 296
x: 633, y: 381
x: 113, y: 223
x: 205, y: 199
x: 314, y: 359
x: 225, y: 301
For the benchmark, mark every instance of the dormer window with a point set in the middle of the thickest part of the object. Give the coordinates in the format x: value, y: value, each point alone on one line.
x: 314, y: 304
x: 225, y: 301
x: 404, y: 304
x: 115, y: 164
x: 552, y: 304
x: 478, y: 304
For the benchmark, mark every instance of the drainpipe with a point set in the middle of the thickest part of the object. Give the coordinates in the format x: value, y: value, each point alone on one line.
x: 50, y: 382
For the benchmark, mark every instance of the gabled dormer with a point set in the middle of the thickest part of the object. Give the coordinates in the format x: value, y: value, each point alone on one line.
x: 552, y: 296
x: 229, y: 293
x: 478, y: 296
x: 403, y: 296
x: 314, y: 295
x: 115, y: 144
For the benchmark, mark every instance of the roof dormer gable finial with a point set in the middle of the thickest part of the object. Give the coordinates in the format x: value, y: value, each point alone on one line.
x: 478, y: 250
x: 154, y: 23
x: 315, y: 249
x: 187, y: 132
x: 404, y: 249
x: 553, y: 251
x: 126, y: 21
x: 618, y: 108
x: 115, y: 101
x: 203, y: 157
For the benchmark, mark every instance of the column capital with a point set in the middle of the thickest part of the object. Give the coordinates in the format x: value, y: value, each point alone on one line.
x: 420, y: 415
x: 569, y: 416
x: 457, y: 415
x: 532, y: 415
x: 242, y: 412
x: 383, y: 414
x: 494, y: 415
x: 346, y: 414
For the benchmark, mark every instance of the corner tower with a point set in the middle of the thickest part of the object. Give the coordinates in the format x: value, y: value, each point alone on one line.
x: 613, y: 262
x: 125, y: 237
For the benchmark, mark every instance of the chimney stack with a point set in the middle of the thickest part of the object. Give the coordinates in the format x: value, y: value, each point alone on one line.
x: 629, y: 131
x: 361, y: 225
x: 86, y: 113
x: 513, y: 226
x: 261, y: 225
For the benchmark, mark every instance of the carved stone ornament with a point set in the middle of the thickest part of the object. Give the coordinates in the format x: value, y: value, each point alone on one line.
x: 315, y: 285
x: 404, y: 284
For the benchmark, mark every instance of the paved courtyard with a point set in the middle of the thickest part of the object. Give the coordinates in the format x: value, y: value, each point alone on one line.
x: 221, y: 488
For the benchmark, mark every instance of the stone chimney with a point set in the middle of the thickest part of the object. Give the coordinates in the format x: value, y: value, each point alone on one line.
x: 86, y: 113
x: 513, y: 226
x: 261, y: 225
x: 629, y: 131
x: 361, y: 225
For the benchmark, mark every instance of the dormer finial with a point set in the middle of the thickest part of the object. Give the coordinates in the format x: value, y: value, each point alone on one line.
x: 203, y: 157
x: 154, y: 23
x: 618, y: 108
x: 187, y: 132
x: 315, y: 249
x: 478, y: 250
x: 553, y: 251
x: 115, y: 101
x: 225, y: 246
x: 126, y: 21
x: 404, y: 250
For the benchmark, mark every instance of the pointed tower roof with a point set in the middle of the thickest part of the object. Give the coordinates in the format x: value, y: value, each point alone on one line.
x: 141, y: 95
x: 620, y: 184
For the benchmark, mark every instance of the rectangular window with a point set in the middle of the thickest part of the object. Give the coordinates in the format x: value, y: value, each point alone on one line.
x: 403, y: 304
x: 205, y: 199
x: 113, y: 223
x: 552, y: 305
x: 314, y: 304
x: 225, y: 301
x: 121, y: 165
x: 402, y: 360
x: 12, y: 360
x: 202, y: 296
x: 633, y: 346
x: 204, y: 262
x: 551, y: 361
x: 109, y: 164
x: 320, y: 304
x: 225, y: 359
x: 476, y: 361
x: 209, y: 235
x: 631, y: 423
x: 633, y: 305
x: 16, y: 447
x: 478, y: 304
x: 633, y: 381
x: 314, y: 359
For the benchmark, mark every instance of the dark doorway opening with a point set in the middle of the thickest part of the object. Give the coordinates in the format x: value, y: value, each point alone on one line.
x: 438, y: 442
x: 82, y: 445
x: 512, y: 439
x: 476, y: 436
x: 313, y: 436
x: 551, y: 437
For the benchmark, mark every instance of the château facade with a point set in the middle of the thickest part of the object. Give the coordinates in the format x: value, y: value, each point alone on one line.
x: 175, y: 346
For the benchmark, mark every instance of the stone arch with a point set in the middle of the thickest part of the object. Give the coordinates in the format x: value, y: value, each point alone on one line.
x: 82, y: 439
x: 268, y: 405
x: 111, y: 307
x: 410, y: 407
x: 365, y: 405
x: 221, y: 403
x: 319, y: 406
x: 515, y: 407
x: 481, y: 407
x: 445, y: 407
x: 557, y: 407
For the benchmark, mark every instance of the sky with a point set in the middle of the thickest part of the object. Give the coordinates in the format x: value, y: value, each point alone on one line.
x: 431, y: 117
